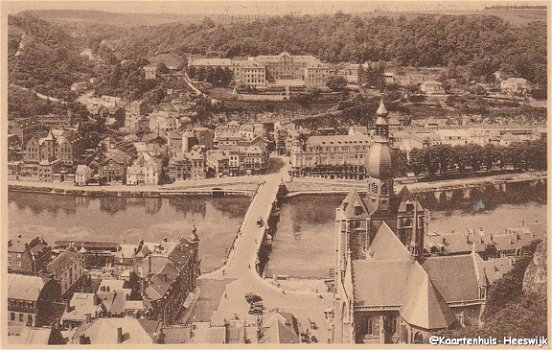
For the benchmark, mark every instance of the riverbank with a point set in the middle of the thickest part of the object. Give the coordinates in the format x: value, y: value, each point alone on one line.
x: 309, y: 185
x: 208, y: 187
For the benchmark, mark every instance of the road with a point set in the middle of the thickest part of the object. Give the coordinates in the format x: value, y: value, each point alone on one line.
x: 241, y: 272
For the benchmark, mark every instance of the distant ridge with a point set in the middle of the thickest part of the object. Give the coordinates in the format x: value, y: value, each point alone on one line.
x: 112, y: 18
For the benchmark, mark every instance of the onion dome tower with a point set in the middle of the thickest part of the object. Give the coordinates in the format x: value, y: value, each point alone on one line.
x: 379, y: 165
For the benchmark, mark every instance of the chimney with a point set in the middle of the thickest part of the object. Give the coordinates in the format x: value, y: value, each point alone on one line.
x: 88, y: 318
x: 522, y: 223
x: 165, y: 239
x: 491, y: 237
x: 119, y: 335
x: 444, y: 240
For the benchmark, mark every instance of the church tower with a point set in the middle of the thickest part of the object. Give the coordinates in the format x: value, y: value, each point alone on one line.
x: 379, y: 165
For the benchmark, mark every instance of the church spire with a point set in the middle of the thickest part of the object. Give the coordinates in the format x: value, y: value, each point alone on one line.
x: 382, y: 127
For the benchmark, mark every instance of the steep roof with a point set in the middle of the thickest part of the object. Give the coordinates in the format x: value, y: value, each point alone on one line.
x: 278, y: 333
x: 387, y: 246
x: 61, y: 262
x: 424, y: 306
x: 25, y: 287
x: 104, y: 331
x: 353, y: 200
x: 380, y: 282
x: 455, y: 276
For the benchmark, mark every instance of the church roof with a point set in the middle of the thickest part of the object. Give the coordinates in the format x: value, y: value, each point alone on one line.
x: 455, y: 276
x: 348, y: 205
x: 380, y: 282
x: 379, y: 161
x: 387, y: 246
x: 424, y: 306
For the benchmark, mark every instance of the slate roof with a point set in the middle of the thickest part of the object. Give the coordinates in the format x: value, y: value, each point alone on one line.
x: 457, y: 242
x: 380, y: 282
x: 424, y: 306
x: 495, y: 268
x: 387, y: 246
x: 348, y: 205
x: 455, y: 276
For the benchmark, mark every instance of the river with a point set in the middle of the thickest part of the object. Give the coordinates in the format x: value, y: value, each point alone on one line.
x: 116, y: 219
x: 304, y: 244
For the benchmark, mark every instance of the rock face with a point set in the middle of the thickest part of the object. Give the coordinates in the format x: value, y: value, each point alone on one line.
x: 534, y: 280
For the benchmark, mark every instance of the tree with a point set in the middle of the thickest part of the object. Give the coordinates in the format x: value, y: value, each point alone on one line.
x: 337, y: 83
x: 490, y: 156
x: 417, y: 160
x: 162, y: 68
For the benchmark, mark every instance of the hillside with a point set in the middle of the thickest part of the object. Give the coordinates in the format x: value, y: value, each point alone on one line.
x: 43, y: 57
x: 483, y: 44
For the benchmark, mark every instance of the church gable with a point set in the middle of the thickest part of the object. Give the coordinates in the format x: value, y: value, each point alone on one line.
x: 387, y: 246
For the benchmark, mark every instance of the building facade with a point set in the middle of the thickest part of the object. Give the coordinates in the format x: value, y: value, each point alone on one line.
x: 31, y: 299
x: 28, y: 257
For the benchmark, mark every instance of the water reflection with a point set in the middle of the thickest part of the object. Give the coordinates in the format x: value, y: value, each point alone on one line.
x: 304, y: 242
x: 118, y: 219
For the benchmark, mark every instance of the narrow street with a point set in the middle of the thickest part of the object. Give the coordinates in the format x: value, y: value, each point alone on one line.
x: 240, y: 272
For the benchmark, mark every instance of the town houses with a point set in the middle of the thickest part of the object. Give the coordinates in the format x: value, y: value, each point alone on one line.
x: 150, y: 282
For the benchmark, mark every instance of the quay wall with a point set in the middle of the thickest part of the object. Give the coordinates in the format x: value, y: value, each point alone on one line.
x: 97, y: 192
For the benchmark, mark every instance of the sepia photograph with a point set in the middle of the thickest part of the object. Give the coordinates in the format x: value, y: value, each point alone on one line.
x: 268, y: 174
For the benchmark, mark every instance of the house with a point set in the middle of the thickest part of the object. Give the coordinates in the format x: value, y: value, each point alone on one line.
x: 514, y: 86
x: 432, y: 87
x: 82, y: 175
x: 113, y: 166
x: 113, y: 297
x: 82, y: 309
x: 31, y: 299
x: 125, y: 330
x: 28, y: 258
x: 174, y: 143
x: 189, y: 166
x: 150, y: 72
x: 168, y: 272
x: 145, y: 171
x: 68, y: 269
x: 279, y: 328
x: 63, y: 145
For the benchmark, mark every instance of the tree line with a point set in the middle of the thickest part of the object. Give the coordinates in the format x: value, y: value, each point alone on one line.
x: 217, y: 76
x: 439, y: 159
x: 478, y: 44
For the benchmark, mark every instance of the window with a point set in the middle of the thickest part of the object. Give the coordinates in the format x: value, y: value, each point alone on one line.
x: 384, y: 190
x: 374, y: 188
x: 20, y: 317
x: 12, y: 316
x: 29, y: 320
x: 369, y: 328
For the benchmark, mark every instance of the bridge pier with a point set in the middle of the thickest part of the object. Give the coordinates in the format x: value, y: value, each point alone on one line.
x: 448, y: 195
x: 466, y: 193
x: 437, y: 195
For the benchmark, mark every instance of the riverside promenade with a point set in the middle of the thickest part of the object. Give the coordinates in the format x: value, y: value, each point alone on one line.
x: 239, y: 274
